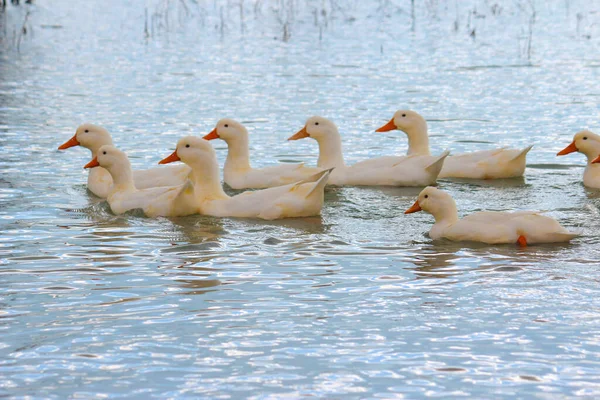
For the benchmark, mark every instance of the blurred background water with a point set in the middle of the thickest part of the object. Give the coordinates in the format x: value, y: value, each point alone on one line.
x: 357, y: 303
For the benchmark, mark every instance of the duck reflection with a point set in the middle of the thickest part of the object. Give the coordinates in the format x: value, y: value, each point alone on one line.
x: 196, y: 229
x: 445, y: 259
x: 435, y: 263
x: 197, y: 286
x: 592, y: 194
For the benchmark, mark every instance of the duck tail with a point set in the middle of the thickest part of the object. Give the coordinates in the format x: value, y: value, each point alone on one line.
x: 436, y: 166
x: 565, y: 236
x: 321, y: 181
x: 522, y: 153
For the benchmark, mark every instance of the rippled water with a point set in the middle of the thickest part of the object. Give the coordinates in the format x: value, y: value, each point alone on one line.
x: 358, y: 303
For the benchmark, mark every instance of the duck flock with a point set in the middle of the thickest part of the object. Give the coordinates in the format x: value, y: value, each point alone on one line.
x: 296, y: 190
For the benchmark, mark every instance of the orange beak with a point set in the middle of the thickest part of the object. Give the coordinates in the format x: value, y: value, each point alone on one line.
x: 596, y: 160
x: 569, y: 149
x: 212, y: 135
x: 172, y: 158
x: 390, y: 126
x: 414, y: 208
x: 92, y: 164
x: 301, y: 134
x: 69, y: 143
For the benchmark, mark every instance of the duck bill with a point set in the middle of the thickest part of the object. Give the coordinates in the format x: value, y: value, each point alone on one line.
x: 172, y: 158
x: 414, y: 208
x: 69, y: 143
x: 212, y: 135
x: 596, y: 160
x: 567, y: 150
x: 390, y: 126
x: 92, y: 164
x: 301, y: 134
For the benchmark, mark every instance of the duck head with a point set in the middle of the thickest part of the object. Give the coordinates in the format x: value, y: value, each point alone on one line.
x: 585, y: 142
x: 108, y: 157
x: 190, y: 149
x: 318, y: 128
x: 404, y: 120
x: 90, y: 136
x: 228, y: 130
x: 435, y: 202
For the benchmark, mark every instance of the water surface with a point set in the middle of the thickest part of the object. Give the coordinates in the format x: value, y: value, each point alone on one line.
x: 357, y: 303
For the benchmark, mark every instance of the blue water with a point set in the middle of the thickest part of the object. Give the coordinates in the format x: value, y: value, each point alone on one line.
x: 357, y: 303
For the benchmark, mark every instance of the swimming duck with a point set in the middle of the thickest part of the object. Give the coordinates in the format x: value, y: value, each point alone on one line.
x: 124, y: 196
x: 301, y: 199
x: 588, y: 143
x: 492, y: 227
x: 412, y: 170
x: 92, y: 137
x: 238, y: 173
x: 486, y: 164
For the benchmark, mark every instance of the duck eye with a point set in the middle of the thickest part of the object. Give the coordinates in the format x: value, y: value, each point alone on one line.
x: 104, y: 152
x: 404, y: 115
x: 187, y: 145
x: 226, y: 125
x: 426, y: 196
x: 87, y: 130
x: 585, y: 138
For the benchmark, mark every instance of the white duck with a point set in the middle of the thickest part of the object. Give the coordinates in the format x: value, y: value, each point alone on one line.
x: 123, y: 195
x: 92, y: 137
x: 238, y: 173
x: 588, y: 143
x: 492, y: 227
x: 412, y: 170
x: 486, y: 164
x: 302, y: 199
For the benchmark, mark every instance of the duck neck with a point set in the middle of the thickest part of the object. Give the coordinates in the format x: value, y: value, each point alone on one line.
x: 94, y: 149
x: 122, y: 176
x: 591, y: 155
x: 418, y: 139
x: 446, y: 214
x: 238, y: 154
x: 591, y: 175
x: 330, y: 152
x: 207, y: 183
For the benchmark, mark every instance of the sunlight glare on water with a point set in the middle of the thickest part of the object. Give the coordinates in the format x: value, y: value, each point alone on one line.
x: 357, y: 303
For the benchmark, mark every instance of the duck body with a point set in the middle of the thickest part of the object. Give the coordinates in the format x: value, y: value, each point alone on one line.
x: 268, y: 177
x: 301, y: 199
x: 239, y: 174
x: 99, y: 180
x: 411, y: 170
x: 124, y: 196
x: 587, y: 143
x: 495, y: 227
x: 155, y: 202
x: 487, y: 164
x: 414, y: 170
x: 491, y: 227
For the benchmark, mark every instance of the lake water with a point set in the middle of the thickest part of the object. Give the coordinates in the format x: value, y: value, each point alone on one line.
x: 357, y: 303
